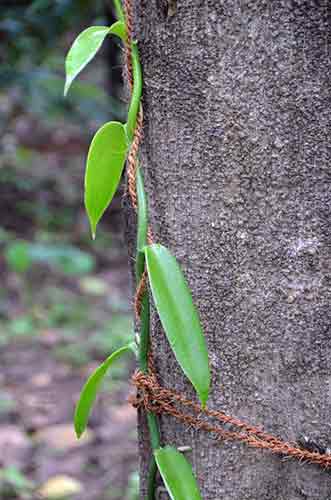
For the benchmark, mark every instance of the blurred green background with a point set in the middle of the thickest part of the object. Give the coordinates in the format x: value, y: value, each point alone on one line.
x: 64, y: 302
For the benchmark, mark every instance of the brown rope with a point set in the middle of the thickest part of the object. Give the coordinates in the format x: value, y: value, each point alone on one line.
x: 129, y: 31
x: 139, y: 294
x: 157, y: 399
x: 132, y: 160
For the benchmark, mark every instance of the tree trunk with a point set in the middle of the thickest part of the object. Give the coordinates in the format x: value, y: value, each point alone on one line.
x: 236, y: 161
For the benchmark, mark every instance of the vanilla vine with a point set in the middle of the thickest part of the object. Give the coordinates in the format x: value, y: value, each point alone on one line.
x: 112, y: 144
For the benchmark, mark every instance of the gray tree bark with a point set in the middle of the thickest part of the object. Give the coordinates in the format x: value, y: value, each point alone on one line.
x: 237, y: 106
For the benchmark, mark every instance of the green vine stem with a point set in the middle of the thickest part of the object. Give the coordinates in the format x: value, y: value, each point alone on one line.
x: 136, y: 92
x: 142, y: 228
x: 144, y: 339
x: 119, y: 10
x: 151, y: 480
x: 142, y: 225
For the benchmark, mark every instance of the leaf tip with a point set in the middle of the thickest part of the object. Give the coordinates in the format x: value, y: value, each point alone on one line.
x: 78, y: 433
x: 203, y: 396
x: 67, y: 85
x: 79, y: 428
x: 92, y: 220
x: 93, y: 226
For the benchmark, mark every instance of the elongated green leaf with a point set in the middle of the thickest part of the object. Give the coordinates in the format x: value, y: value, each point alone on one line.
x: 105, y: 162
x: 179, y: 317
x: 177, y: 474
x: 86, y: 46
x: 91, y: 387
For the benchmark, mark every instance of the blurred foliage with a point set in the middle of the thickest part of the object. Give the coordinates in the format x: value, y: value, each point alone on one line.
x: 52, y: 271
x: 14, y: 484
x: 133, y: 487
x: 66, y: 259
x: 34, y: 37
x: 81, y: 326
x: 62, y: 294
x: 34, y: 27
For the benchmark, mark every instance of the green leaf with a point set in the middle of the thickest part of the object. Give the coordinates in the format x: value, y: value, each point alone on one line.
x: 105, y: 162
x: 177, y: 474
x: 86, y: 46
x: 91, y: 387
x: 179, y: 317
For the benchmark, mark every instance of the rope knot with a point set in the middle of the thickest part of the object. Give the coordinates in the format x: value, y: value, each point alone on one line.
x: 148, y: 395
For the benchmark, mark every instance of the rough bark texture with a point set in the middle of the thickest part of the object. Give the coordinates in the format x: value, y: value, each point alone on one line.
x: 237, y: 106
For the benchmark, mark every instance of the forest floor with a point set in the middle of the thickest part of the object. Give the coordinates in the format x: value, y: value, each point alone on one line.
x: 37, y: 441
x: 64, y: 307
